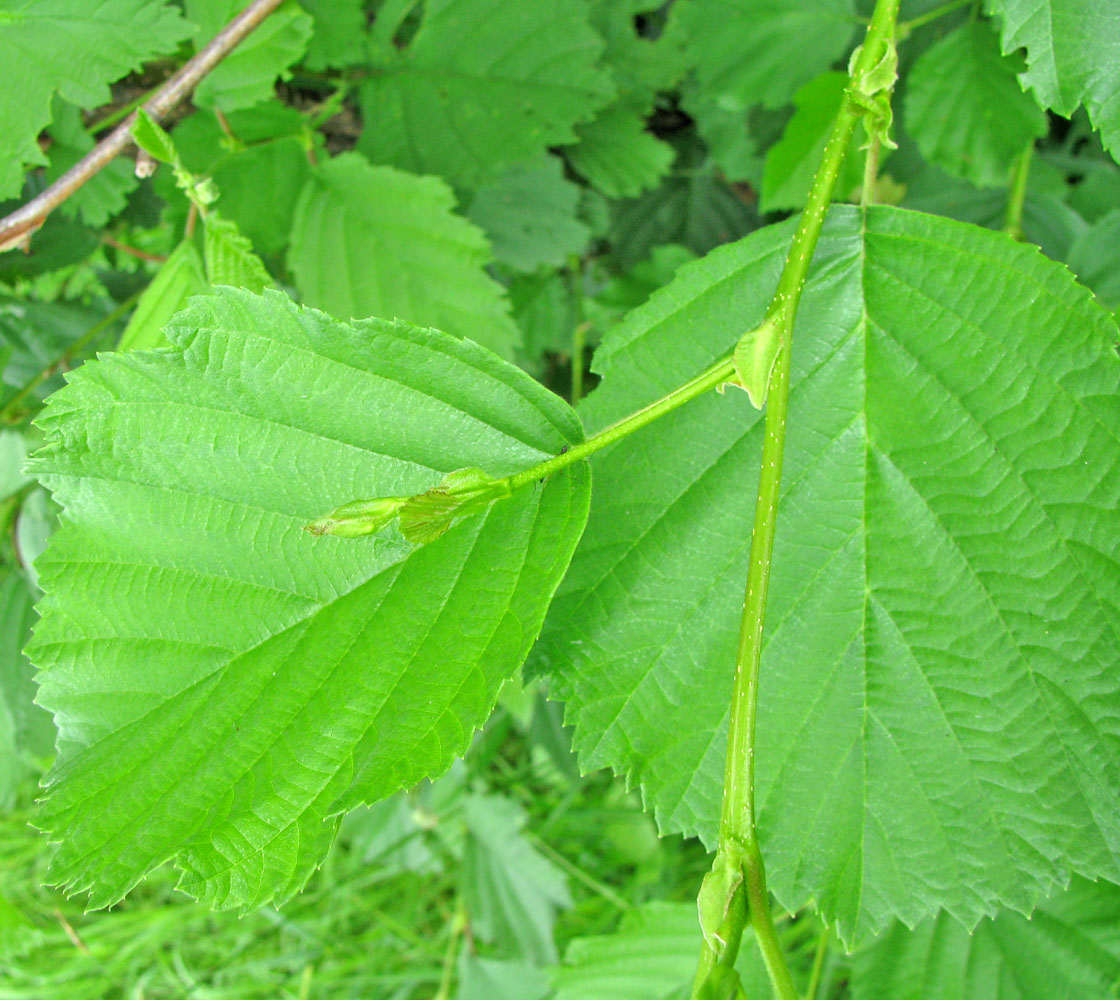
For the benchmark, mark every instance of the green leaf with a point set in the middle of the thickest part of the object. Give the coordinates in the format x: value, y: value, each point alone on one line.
x: 254, y: 682
x: 75, y: 49
x: 651, y: 956
x: 25, y: 729
x: 269, y: 156
x: 750, y: 52
x: 151, y: 137
x: 106, y: 193
x: 1048, y: 222
x: 642, y: 66
x: 487, y: 979
x: 374, y: 241
x: 1073, y: 57
x: 35, y: 524
x: 13, y: 451
x: 653, y: 951
x: 616, y: 154
x: 691, y: 207
x: 937, y: 724
x: 728, y: 136
x: 36, y: 335
x: 546, y: 312
x: 1069, y: 947
x: 179, y: 277
x: 1095, y: 258
x: 529, y: 213
x: 1099, y: 192
x: 792, y: 160
x: 484, y: 84
x: 965, y: 109
x: 630, y: 289
x: 339, y: 35
x: 511, y: 890
x: 248, y: 74
x: 230, y: 259
x: 18, y: 935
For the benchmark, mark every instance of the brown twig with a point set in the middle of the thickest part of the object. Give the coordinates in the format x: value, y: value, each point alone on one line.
x: 16, y: 229
x: 72, y: 934
x: 156, y: 258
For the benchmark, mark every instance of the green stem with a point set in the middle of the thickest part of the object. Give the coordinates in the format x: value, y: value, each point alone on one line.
x: 722, y: 371
x: 456, y: 930
x: 905, y: 27
x: 870, y: 174
x: 579, y: 332
x: 1017, y: 196
x: 818, y: 966
x: 119, y: 114
x: 98, y: 328
x: 738, y: 836
x: 579, y: 874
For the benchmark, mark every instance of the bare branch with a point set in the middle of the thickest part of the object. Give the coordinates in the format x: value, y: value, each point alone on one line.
x: 17, y: 228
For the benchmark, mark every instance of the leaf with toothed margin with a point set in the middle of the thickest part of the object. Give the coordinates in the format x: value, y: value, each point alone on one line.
x: 482, y: 85
x: 939, y: 711
x: 76, y: 50
x: 1069, y: 947
x: 1073, y: 56
x: 225, y: 684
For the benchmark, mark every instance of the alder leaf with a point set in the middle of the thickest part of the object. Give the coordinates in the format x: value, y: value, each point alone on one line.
x: 1069, y: 947
x: 253, y: 682
x: 483, y: 84
x: 229, y: 257
x: 1073, y: 56
x: 650, y: 956
x: 616, y: 154
x: 939, y: 713
x: 339, y: 35
x: 749, y: 52
x: 269, y: 156
x: 965, y: 108
x: 178, y: 278
x: 511, y: 890
x: 529, y: 214
x: 76, y: 50
x: 375, y: 241
x: 25, y: 729
x: 248, y: 74
x: 1095, y: 258
x: 790, y: 162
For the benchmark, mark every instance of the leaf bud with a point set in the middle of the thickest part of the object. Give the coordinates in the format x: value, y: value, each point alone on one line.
x: 357, y: 518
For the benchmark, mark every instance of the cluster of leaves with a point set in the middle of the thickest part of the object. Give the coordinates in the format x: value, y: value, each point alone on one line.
x: 462, y: 195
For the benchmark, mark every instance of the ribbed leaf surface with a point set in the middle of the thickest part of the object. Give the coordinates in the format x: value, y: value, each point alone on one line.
x: 483, y: 85
x: 939, y: 718
x: 1069, y: 947
x: 224, y: 683
x: 375, y: 241
x: 1073, y: 56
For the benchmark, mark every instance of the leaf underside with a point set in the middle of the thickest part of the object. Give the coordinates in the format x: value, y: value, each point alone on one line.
x: 939, y: 714
x: 253, y: 682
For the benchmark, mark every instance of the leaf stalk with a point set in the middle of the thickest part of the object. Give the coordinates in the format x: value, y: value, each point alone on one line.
x: 1017, y: 196
x: 722, y: 371
x: 738, y: 835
